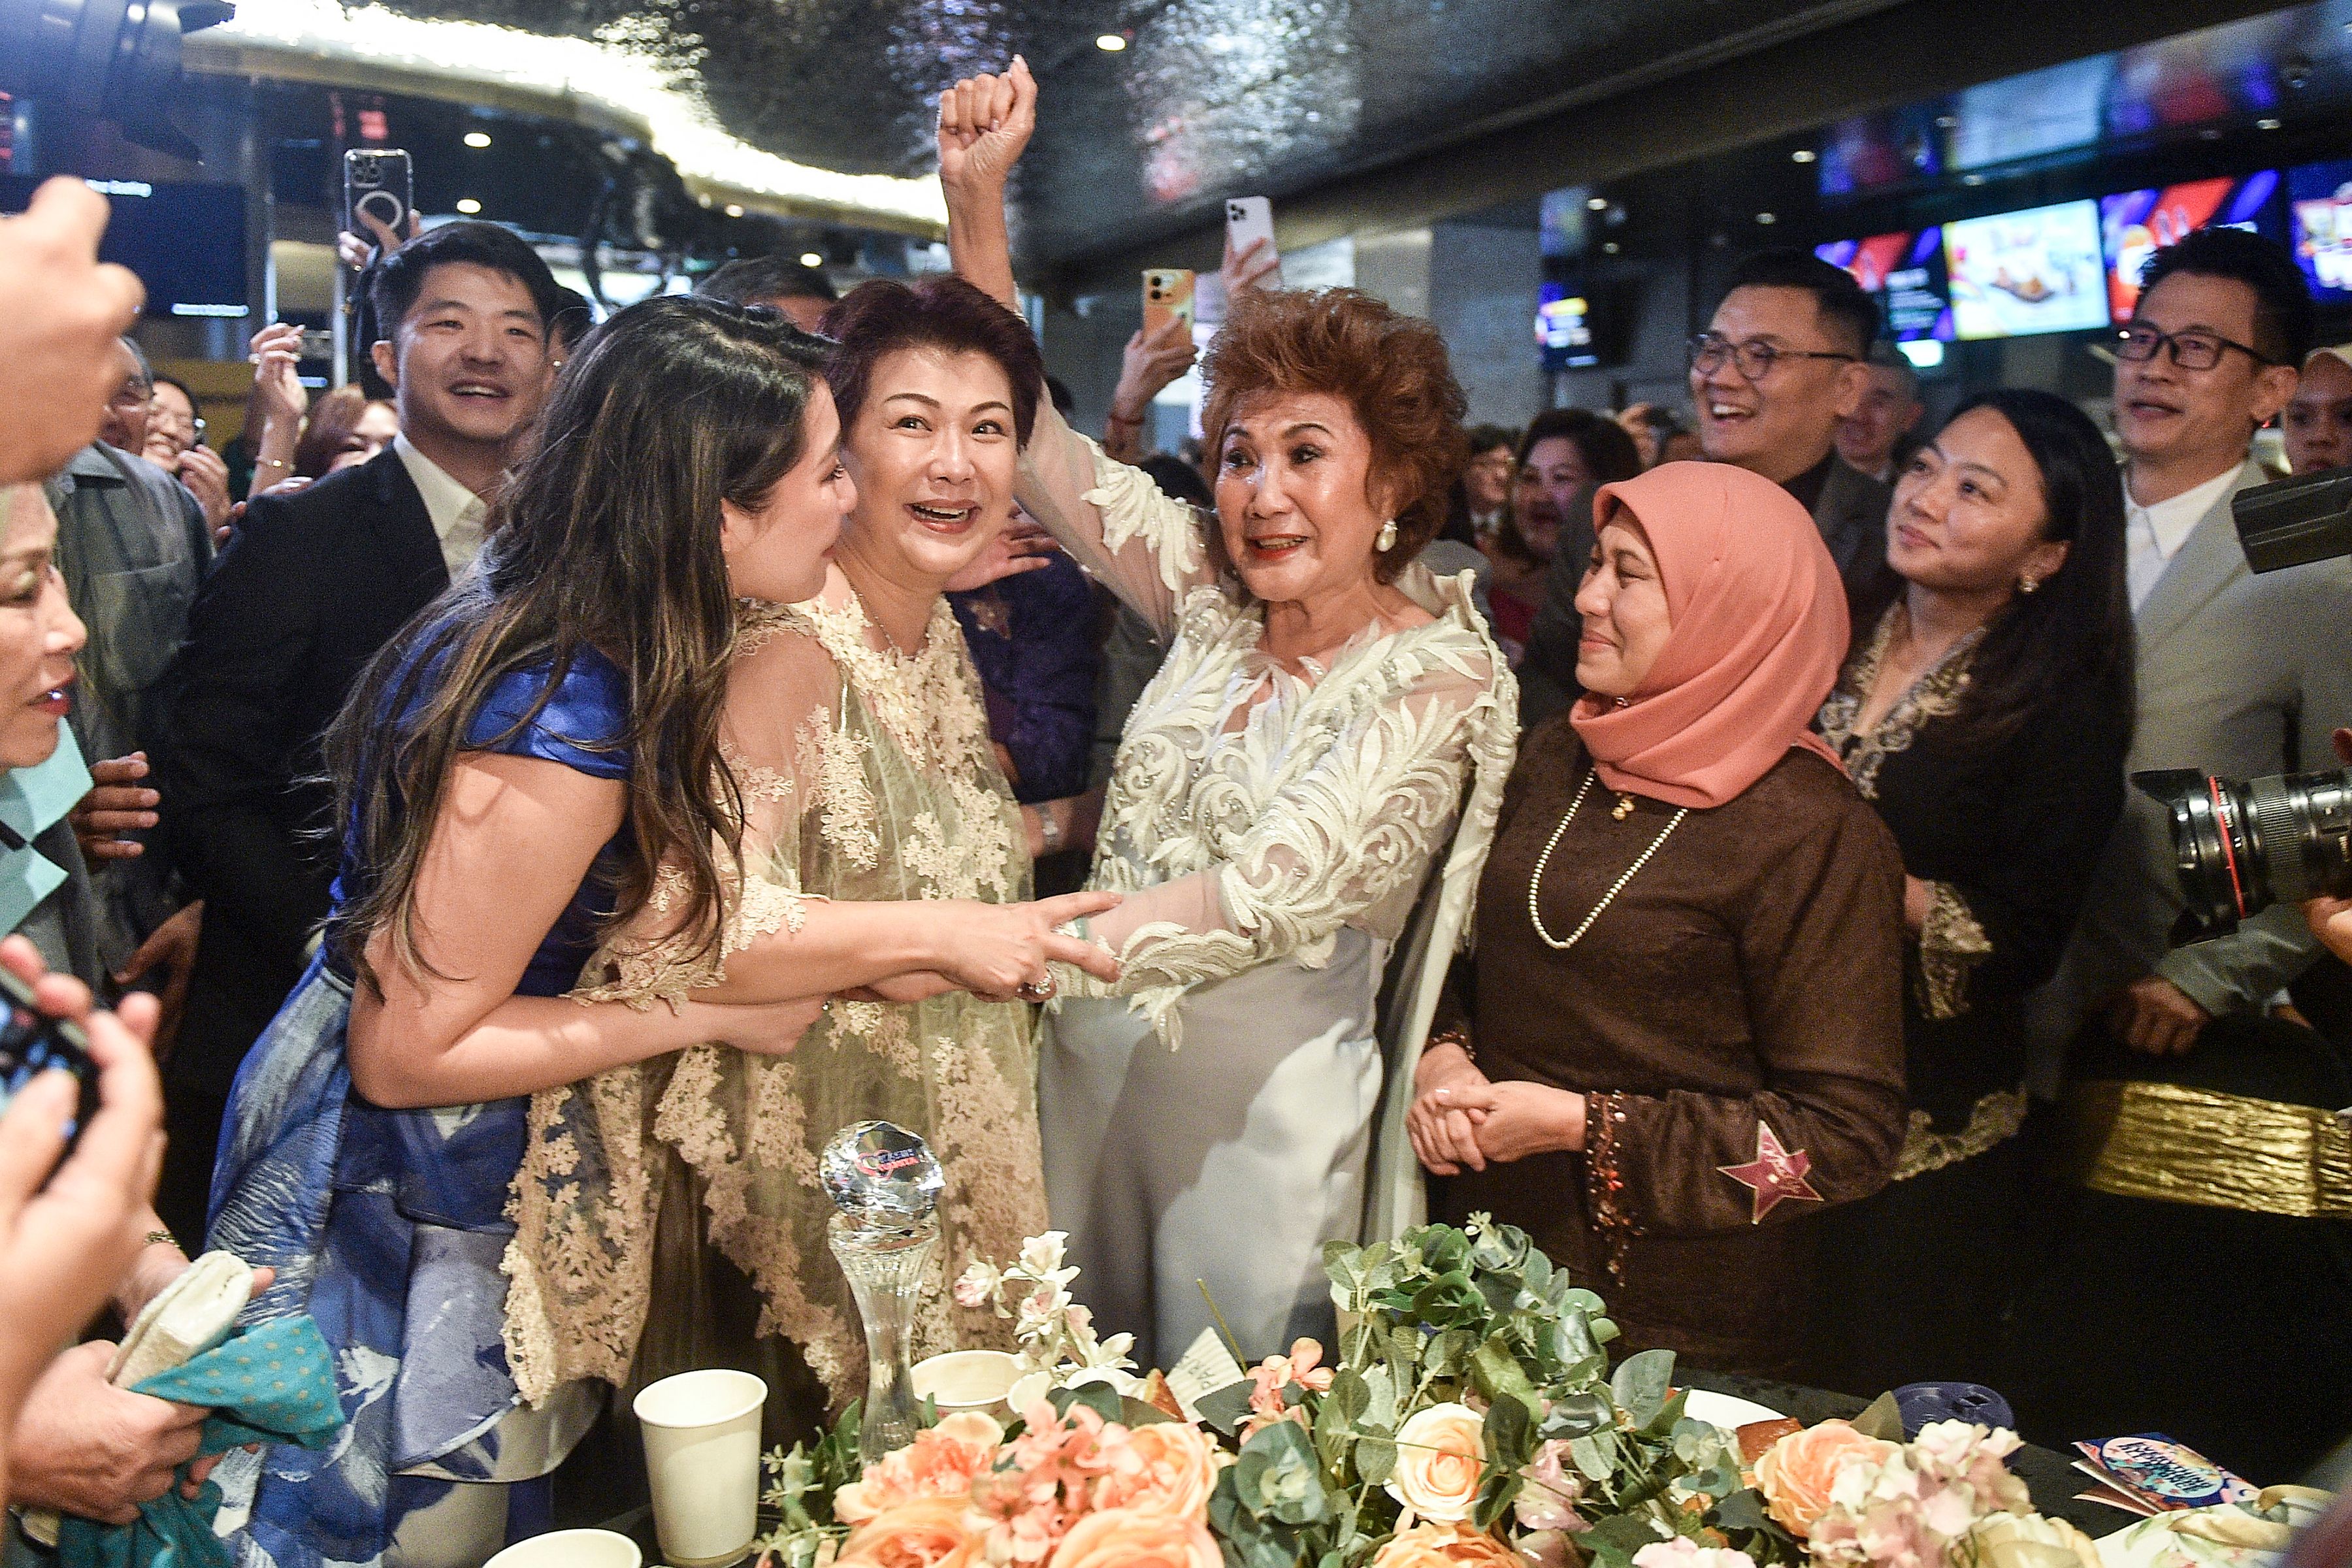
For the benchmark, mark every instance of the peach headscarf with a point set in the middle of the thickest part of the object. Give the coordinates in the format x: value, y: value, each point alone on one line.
x: 1759, y: 628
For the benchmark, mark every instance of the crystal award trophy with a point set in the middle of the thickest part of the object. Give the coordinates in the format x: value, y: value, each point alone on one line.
x: 885, y: 1184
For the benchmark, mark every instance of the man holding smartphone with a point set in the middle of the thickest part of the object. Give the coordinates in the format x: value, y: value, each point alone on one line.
x: 310, y: 587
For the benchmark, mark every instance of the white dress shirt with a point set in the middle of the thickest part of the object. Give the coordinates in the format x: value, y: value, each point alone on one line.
x: 2154, y: 534
x: 456, y: 512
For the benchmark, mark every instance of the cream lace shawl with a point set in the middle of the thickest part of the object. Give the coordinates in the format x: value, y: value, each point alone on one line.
x: 866, y: 774
x: 1253, y: 813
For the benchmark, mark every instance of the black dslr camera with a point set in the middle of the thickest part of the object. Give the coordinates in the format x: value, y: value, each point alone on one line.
x: 2241, y: 847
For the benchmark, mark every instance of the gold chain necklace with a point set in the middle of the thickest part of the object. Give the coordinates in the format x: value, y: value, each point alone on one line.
x: 1544, y: 860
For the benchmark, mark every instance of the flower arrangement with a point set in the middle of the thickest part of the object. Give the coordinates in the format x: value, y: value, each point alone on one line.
x: 1470, y: 1419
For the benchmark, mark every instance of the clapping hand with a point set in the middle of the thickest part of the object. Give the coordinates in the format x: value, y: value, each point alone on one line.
x: 985, y: 121
x: 279, y: 398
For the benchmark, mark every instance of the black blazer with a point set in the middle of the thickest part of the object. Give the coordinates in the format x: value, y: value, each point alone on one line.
x: 310, y: 588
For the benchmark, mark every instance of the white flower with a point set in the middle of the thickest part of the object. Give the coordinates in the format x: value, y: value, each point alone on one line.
x: 1041, y: 1254
x: 978, y: 1284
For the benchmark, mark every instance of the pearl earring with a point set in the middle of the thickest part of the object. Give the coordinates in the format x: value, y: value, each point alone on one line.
x: 1386, y: 540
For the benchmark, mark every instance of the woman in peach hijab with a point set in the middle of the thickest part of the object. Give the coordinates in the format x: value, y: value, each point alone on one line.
x: 1682, y: 1031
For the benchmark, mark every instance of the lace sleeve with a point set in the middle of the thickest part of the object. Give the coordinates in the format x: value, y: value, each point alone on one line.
x: 1364, y: 820
x: 783, y: 696
x: 1951, y: 944
x: 1148, y: 547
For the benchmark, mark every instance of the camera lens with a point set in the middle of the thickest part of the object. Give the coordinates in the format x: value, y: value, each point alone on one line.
x: 2239, y: 848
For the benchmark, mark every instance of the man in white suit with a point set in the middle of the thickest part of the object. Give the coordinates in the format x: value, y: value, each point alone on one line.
x: 2241, y: 676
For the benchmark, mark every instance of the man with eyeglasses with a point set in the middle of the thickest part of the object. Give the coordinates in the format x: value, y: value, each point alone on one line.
x: 1780, y: 366
x: 2240, y: 676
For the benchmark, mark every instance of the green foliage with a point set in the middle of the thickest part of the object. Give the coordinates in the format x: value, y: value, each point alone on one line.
x: 800, y: 1490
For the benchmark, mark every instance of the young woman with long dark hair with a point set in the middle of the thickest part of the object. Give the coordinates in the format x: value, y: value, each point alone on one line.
x: 1986, y: 714
x: 531, y: 778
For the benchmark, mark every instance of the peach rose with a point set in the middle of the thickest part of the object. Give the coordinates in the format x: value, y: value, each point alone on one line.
x: 925, y: 1533
x: 1179, y: 1470
x: 1439, y: 1460
x: 1796, y: 1473
x: 1137, y: 1538
x: 941, y: 1461
x: 1444, y: 1546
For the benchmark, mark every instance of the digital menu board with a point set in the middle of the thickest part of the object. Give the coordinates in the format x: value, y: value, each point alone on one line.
x: 2135, y: 224
x: 1906, y: 273
x: 2017, y: 274
x: 2319, y: 196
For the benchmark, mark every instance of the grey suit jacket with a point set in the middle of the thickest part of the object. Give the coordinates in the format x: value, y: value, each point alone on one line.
x: 1852, y: 516
x: 2233, y: 670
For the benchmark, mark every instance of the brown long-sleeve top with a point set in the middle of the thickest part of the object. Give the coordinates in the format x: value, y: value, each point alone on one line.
x: 1743, y: 989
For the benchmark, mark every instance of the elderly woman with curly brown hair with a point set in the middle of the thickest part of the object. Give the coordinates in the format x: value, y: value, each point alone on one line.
x: 1331, y: 725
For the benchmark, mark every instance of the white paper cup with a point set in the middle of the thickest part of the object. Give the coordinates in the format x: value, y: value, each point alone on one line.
x: 571, y: 1549
x: 967, y: 1380
x: 702, y: 1456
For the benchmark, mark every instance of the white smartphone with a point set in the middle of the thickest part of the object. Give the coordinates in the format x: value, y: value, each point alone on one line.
x: 1249, y: 218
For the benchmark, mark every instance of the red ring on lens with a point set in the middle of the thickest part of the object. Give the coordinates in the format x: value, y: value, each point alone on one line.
x: 2229, y: 851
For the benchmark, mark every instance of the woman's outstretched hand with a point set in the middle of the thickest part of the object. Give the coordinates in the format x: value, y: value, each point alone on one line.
x: 985, y: 121
x: 994, y: 949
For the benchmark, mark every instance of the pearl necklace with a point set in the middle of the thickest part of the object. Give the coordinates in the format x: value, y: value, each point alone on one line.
x: 1544, y: 860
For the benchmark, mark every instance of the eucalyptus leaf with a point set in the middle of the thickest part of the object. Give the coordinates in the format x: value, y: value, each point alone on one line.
x: 1661, y: 1424
x: 1495, y: 1499
x: 1595, y: 1456
x: 1743, y: 1510
x: 1501, y: 1376
x: 1226, y: 1408
x: 1099, y: 1397
x: 1640, y: 1383
x: 1380, y: 1398
x: 1375, y: 1460
x: 1350, y: 1393
x: 1509, y: 1432
x: 1578, y: 1414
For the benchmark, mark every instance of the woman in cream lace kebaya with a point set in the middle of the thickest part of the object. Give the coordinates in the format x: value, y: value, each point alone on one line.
x: 1285, y: 788
x: 670, y: 1216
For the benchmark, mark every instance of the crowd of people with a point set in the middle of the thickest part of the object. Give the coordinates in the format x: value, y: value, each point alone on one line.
x: 528, y: 804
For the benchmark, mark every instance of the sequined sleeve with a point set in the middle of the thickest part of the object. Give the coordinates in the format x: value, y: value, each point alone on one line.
x: 1145, y: 545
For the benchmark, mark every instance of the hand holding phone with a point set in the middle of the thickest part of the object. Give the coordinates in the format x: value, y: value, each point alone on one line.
x: 379, y: 199
x: 1251, y: 260
x: 1168, y: 297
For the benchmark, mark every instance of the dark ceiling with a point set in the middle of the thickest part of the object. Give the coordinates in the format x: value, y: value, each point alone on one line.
x: 1210, y: 96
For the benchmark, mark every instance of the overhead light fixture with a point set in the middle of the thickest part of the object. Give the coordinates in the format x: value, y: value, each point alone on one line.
x: 1803, y: 155
x: 477, y: 138
x: 1612, y: 248
x: 1767, y: 218
x: 2266, y: 123
x: 1598, y: 204
x: 811, y: 258
x: 734, y: 209
x: 468, y: 206
x: 600, y: 82
x: 1924, y: 353
x: 1110, y: 43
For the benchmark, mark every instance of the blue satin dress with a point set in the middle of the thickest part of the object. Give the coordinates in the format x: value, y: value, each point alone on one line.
x: 388, y: 1227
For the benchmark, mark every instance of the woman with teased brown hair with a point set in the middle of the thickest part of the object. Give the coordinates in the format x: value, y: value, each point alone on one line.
x: 1285, y: 788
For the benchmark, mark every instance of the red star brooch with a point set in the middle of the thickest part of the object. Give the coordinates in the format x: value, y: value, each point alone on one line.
x: 1775, y: 1173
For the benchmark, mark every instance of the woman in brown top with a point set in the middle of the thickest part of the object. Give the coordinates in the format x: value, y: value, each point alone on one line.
x: 1683, y: 1028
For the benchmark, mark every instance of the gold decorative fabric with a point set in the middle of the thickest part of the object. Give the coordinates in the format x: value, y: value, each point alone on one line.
x: 1951, y: 942
x: 1993, y: 1119
x: 866, y: 774
x: 1935, y: 695
x: 2223, y: 1151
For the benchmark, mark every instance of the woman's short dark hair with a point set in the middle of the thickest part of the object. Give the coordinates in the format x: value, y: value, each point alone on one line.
x: 327, y: 433
x: 607, y: 538
x: 881, y: 317
x: 1608, y: 453
x: 1391, y: 368
x: 2075, y: 629
x: 1485, y: 438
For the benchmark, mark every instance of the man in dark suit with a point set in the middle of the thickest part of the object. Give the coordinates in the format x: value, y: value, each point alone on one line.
x: 1780, y: 363
x: 312, y: 586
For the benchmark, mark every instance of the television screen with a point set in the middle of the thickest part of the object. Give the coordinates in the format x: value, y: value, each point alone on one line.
x: 2016, y: 274
x: 2135, y: 224
x: 1906, y: 273
x: 1580, y: 326
x: 187, y: 242
x: 2319, y: 197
